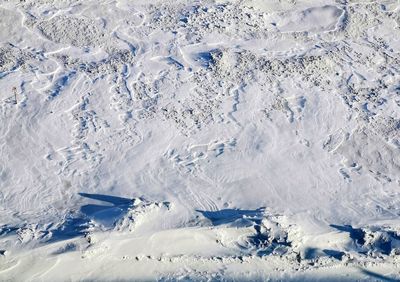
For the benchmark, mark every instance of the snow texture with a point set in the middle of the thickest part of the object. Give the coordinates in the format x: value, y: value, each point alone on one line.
x: 199, y: 140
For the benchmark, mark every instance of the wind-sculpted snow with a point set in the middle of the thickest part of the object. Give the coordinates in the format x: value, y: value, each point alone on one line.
x: 199, y: 140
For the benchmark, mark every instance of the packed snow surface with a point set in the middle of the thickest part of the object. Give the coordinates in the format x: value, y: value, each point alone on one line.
x: 199, y: 140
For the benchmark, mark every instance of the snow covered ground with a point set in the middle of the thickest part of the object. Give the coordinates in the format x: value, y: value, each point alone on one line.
x: 199, y: 140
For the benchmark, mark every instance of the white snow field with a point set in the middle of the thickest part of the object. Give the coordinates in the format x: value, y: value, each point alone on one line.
x: 249, y: 140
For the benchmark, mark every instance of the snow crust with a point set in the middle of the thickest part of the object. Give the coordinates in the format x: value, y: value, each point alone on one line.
x: 199, y: 140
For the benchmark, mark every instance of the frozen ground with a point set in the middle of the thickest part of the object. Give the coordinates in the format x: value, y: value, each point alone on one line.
x: 199, y: 140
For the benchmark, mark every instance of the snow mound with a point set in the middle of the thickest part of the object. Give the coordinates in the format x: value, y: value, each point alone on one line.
x: 71, y: 30
x: 316, y: 19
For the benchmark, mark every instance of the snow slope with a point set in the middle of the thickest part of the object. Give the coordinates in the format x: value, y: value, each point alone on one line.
x: 199, y: 140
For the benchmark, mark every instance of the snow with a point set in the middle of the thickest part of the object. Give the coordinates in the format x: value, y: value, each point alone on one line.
x: 191, y: 140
